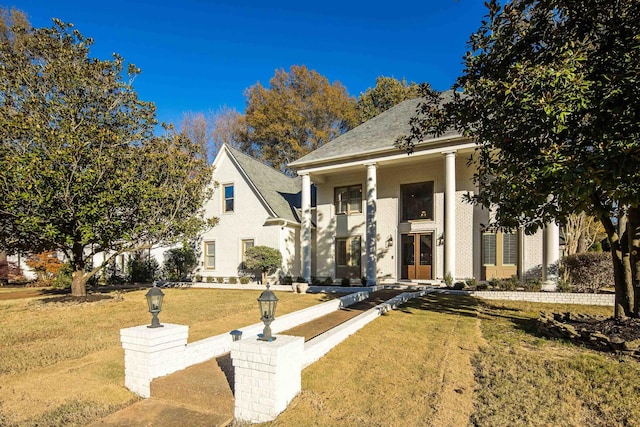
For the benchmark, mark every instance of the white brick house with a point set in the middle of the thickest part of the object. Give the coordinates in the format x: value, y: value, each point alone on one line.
x: 389, y: 216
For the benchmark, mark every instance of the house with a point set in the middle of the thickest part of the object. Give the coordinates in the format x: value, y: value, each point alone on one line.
x: 256, y: 206
x: 389, y: 216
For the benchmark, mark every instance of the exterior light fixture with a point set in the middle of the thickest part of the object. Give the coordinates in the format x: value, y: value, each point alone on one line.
x: 154, y: 301
x: 389, y: 241
x: 267, y: 301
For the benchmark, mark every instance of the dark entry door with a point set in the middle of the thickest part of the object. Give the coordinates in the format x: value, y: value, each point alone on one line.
x: 416, y: 254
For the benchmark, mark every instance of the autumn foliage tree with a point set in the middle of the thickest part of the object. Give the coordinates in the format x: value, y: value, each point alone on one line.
x: 46, y: 265
x: 386, y: 93
x: 298, y: 112
x: 83, y: 171
x: 551, y: 93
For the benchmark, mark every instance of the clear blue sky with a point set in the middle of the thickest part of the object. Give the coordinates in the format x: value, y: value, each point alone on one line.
x: 197, y: 55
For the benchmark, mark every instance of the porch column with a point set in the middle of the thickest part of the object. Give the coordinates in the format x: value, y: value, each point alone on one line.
x: 450, y: 213
x: 371, y: 224
x: 550, y: 256
x: 305, y: 235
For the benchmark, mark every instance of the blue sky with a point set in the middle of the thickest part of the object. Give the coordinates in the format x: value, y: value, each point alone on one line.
x: 198, y: 55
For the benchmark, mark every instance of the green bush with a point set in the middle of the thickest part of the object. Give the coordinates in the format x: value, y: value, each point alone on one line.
x: 198, y: 278
x: 63, y: 278
x: 300, y: 279
x: 448, y: 280
x: 316, y: 281
x: 345, y: 281
x: 210, y: 279
x: 482, y: 286
x: 286, y: 280
x: 219, y: 279
x: 179, y: 262
x: 472, y: 283
x: 263, y: 258
x: 233, y: 280
x: 328, y: 281
x: 534, y: 285
x: 458, y: 286
x: 141, y: 268
x: 244, y: 280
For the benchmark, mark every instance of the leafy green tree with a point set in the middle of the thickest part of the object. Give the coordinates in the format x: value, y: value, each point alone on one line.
x: 299, y: 112
x: 387, y: 93
x: 82, y: 169
x: 179, y: 262
x: 552, y: 95
x: 142, y: 268
x: 263, y: 258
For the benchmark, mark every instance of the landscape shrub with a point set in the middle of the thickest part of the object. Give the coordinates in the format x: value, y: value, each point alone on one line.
x: 46, y: 266
x: 141, y: 268
x: 328, y: 281
x: 63, y: 278
x: 533, y: 285
x: 286, y: 280
x: 589, y: 272
x: 300, y: 279
x: 244, y: 280
x: 448, y: 280
x: 316, y: 281
x: 482, y: 286
x: 210, y: 279
x: 198, y: 278
x: 472, y: 283
x: 363, y: 280
x: 219, y: 279
x: 345, y: 282
x: 458, y: 286
x: 233, y: 280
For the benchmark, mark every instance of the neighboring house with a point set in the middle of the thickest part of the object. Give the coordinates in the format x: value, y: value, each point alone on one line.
x: 256, y: 206
x: 389, y: 216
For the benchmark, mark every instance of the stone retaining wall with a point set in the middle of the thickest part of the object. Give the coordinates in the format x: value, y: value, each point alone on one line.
x: 541, y: 297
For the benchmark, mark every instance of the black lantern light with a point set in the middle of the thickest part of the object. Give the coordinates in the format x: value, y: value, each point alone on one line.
x: 154, y: 300
x: 267, y: 302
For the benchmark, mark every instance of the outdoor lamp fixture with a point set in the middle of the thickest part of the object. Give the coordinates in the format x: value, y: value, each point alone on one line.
x: 267, y: 301
x: 154, y: 300
x: 389, y: 241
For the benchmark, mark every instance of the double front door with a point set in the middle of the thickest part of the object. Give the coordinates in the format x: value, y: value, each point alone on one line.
x: 417, y: 252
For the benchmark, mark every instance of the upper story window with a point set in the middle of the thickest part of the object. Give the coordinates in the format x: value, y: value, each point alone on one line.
x: 348, y: 200
x: 417, y: 201
x: 227, y: 205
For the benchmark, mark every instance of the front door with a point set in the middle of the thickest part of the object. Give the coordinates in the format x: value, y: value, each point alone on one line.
x: 416, y: 256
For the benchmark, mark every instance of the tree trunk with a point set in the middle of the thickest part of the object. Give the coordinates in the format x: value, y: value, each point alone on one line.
x: 633, y: 238
x: 619, y: 255
x: 79, y: 284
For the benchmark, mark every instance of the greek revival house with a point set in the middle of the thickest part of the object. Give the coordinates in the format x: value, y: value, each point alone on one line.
x: 389, y: 216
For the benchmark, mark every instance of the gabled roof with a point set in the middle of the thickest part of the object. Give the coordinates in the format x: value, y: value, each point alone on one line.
x: 373, y: 136
x: 280, y: 193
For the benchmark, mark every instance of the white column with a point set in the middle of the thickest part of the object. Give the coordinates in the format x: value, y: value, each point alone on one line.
x: 450, y: 214
x: 267, y: 376
x: 305, y: 249
x: 551, y: 256
x: 371, y: 224
x: 151, y: 353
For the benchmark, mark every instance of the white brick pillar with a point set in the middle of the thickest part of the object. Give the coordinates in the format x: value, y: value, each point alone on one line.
x: 305, y: 242
x: 372, y: 189
x: 551, y: 256
x: 267, y: 376
x: 450, y: 214
x: 151, y: 353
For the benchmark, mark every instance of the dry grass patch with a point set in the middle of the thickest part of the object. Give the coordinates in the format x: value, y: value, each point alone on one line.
x: 527, y: 380
x: 411, y: 367
x: 65, y: 361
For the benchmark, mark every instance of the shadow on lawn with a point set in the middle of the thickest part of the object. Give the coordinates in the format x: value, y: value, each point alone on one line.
x: 440, y: 303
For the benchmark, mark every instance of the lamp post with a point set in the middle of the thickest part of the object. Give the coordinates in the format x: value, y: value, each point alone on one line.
x: 267, y: 301
x: 154, y: 301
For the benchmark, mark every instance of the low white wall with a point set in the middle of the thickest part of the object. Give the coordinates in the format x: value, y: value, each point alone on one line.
x: 541, y: 297
x: 208, y: 348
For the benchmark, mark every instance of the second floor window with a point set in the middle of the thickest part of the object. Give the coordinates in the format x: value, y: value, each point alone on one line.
x: 227, y: 205
x: 417, y: 201
x: 348, y: 200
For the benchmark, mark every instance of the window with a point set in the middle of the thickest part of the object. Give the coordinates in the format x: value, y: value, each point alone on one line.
x: 348, y: 252
x: 227, y: 205
x: 417, y: 201
x: 246, y: 244
x: 488, y: 249
x: 348, y: 200
x: 509, y: 249
x: 209, y: 255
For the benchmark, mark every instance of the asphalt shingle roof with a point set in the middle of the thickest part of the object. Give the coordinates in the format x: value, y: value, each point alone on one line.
x: 281, y: 192
x: 376, y: 134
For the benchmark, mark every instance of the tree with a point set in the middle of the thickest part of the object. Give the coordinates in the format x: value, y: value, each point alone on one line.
x: 179, y: 262
x: 387, y: 93
x: 551, y: 95
x: 46, y: 265
x: 299, y: 112
x: 580, y: 232
x: 263, y: 258
x: 82, y: 169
